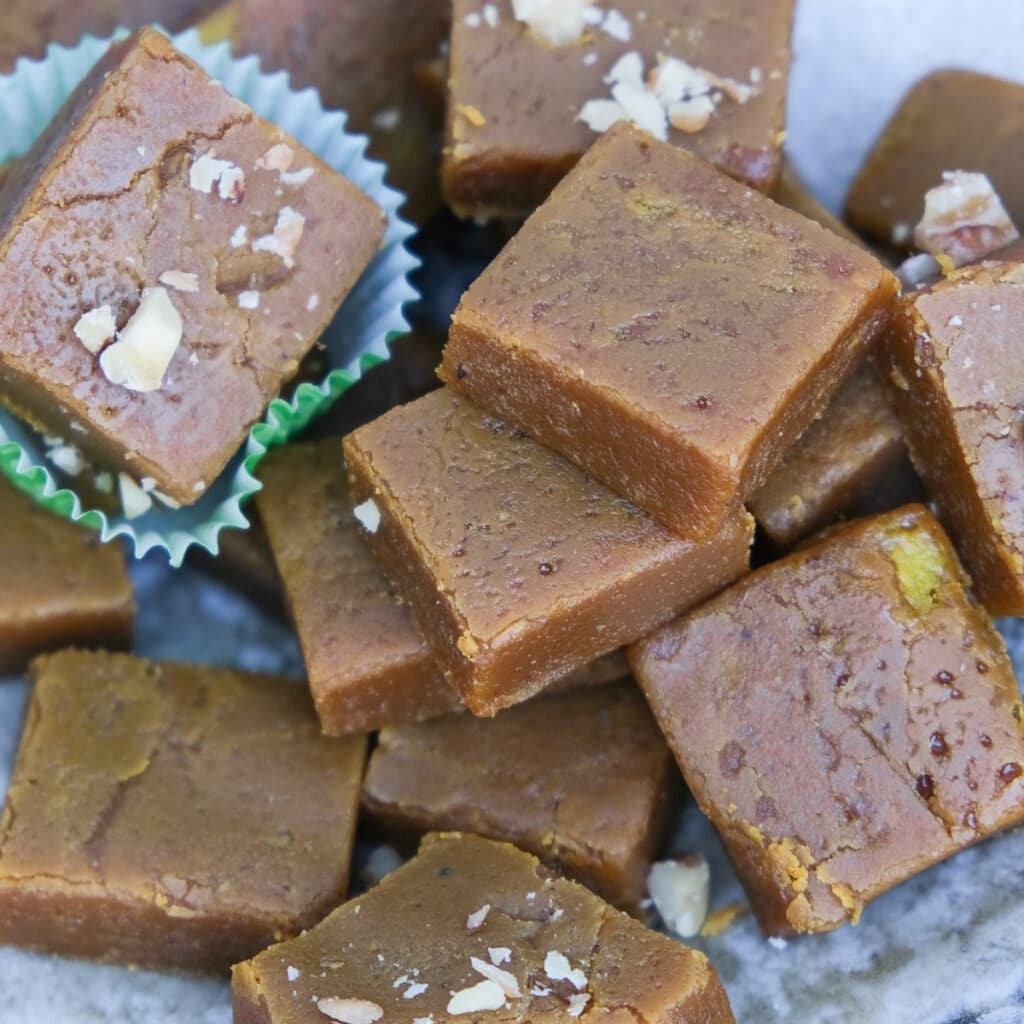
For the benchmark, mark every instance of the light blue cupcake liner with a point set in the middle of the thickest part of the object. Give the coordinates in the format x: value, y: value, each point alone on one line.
x: 356, y: 340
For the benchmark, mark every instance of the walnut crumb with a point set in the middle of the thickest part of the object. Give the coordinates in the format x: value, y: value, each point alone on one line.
x: 350, y: 1011
x: 143, y: 351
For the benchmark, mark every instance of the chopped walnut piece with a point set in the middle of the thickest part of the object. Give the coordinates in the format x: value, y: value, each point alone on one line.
x: 558, y: 968
x: 485, y: 995
x: 680, y: 889
x: 350, y: 1011
x: 475, y: 920
x: 135, y: 501
x: 180, y: 280
x: 278, y: 158
x: 368, y: 514
x: 95, y: 328
x: 964, y: 219
x: 557, y: 21
x: 287, y: 234
x: 207, y: 171
x: 505, y: 980
x: 139, y: 358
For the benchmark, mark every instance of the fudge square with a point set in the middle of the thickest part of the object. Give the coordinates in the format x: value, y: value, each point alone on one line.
x: 60, y: 584
x: 950, y: 120
x: 583, y: 781
x: 961, y: 409
x: 518, y: 568
x: 532, y: 85
x: 166, y: 260
x: 472, y: 929
x: 172, y: 815
x: 853, y: 455
x: 367, y: 663
x: 846, y: 717
x: 665, y: 328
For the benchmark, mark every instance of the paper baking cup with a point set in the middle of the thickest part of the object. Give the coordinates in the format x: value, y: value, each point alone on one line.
x: 356, y: 340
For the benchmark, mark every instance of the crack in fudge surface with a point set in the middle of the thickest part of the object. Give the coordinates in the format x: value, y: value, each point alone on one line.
x: 461, y: 897
x: 108, y: 203
x: 963, y: 413
x: 845, y: 716
x: 142, y: 791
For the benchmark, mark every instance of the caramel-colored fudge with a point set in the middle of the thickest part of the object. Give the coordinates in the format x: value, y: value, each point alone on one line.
x: 581, y: 781
x: 517, y: 567
x: 217, y: 248
x: 172, y: 815
x: 951, y: 120
x: 961, y: 409
x: 855, y: 448
x: 59, y: 585
x: 792, y: 193
x: 367, y: 663
x: 362, y: 57
x: 846, y: 717
x: 666, y: 329
x: 28, y: 26
x: 477, y: 930
x: 519, y: 102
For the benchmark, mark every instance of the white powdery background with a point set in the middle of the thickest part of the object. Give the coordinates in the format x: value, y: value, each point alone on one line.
x: 947, y: 946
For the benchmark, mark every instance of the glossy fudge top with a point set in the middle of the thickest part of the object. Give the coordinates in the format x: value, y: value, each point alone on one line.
x: 951, y: 120
x: 668, y: 290
x: 511, y: 532
x: 51, y: 567
x: 580, y: 780
x: 477, y: 930
x: 154, y: 178
x: 965, y: 421
x: 515, y: 96
x: 847, y: 716
x: 192, y: 789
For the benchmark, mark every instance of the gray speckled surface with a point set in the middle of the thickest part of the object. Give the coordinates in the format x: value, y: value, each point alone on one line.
x: 945, y: 948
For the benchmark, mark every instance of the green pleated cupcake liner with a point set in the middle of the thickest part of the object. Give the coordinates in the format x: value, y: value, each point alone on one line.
x: 357, y: 339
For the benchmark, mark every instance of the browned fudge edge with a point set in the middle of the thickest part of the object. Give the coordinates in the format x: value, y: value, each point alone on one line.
x: 443, y: 628
x: 928, y: 421
x: 831, y: 469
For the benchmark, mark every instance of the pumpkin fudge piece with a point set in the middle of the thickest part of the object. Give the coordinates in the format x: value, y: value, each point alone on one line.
x: 27, y: 27
x: 951, y: 120
x: 582, y: 781
x: 532, y: 85
x: 846, y: 717
x: 853, y: 451
x: 171, y: 815
x: 60, y: 584
x: 166, y: 260
x: 471, y: 929
x: 367, y: 663
x: 962, y: 413
x: 679, y: 374
x: 362, y: 58
x: 517, y: 567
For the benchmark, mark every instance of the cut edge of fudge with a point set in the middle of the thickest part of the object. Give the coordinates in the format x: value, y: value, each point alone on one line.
x: 475, y: 670
x: 512, y: 380
x: 937, y: 449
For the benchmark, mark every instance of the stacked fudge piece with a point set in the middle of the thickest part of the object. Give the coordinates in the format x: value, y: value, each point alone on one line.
x: 660, y: 355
